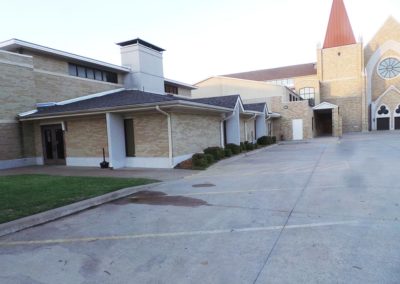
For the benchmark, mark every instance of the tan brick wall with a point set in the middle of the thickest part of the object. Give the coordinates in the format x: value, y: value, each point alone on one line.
x: 194, y: 133
x: 343, y: 84
x: 10, y: 143
x: 391, y: 100
x: 151, y: 135
x: 85, y: 137
x: 389, y: 31
x: 308, y: 82
x: 54, y: 88
x: 341, y: 62
x: 337, y: 129
x: 350, y: 109
x: 16, y: 86
x: 48, y: 63
x: 291, y: 111
x: 380, y: 85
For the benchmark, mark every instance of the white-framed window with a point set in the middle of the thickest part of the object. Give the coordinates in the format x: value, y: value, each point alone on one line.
x: 307, y: 93
x: 383, y: 111
x: 389, y: 68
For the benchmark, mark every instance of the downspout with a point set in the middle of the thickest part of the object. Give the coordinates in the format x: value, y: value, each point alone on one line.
x: 222, y: 126
x: 169, y: 135
x: 245, y: 126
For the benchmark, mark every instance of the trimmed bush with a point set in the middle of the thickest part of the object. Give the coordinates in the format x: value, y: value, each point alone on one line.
x: 200, y: 161
x: 210, y: 159
x: 263, y: 140
x: 249, y: 146
x: 235, y: 149
x: 242, y: 147
x: 217, y: 152
x: 228, y: 153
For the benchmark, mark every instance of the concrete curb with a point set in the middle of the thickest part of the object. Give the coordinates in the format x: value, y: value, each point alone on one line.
x: 57, y: 213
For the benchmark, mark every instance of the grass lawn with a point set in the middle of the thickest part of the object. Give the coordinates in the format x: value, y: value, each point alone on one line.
x: 24, y: 195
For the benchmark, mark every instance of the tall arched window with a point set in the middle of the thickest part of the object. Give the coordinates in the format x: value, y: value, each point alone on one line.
x: 307, y: 93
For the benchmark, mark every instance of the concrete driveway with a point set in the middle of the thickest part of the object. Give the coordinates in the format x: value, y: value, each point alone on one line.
x: 326, y: 211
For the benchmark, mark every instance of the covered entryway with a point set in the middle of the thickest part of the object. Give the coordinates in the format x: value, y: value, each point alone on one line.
x: 397, y: 123
x: 53, y: 144
x: 324, y: 119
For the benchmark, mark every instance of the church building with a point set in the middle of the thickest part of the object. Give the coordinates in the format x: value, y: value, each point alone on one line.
x: 352, y: 87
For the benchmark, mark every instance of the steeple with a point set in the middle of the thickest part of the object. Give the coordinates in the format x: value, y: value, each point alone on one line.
x: 339, y: 30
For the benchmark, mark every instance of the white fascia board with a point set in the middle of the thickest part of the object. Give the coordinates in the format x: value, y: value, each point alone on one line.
x: 324, y: 105
x: 22, y: 114
x: 89, y: 97
x: 141, y: 107
x: 32, y: 46
x: 180, y: 84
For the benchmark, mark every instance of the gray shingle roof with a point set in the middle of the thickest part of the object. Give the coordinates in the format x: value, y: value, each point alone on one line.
x: 255, y: 107
x: 224, y: 101
x: 127, y: 98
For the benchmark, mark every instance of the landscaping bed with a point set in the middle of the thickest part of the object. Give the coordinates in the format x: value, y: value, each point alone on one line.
x: 25, y: 195
x: 211, y: 155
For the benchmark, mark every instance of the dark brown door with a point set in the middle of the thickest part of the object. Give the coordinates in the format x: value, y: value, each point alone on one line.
x: 397, y: 123
x: 383, y: 123
x: 53, y: 145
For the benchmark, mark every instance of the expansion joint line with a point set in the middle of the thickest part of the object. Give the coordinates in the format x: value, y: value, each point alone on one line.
x: 290, y: 214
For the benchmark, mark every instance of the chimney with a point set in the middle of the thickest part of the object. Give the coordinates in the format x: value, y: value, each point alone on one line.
x: 146, y: 63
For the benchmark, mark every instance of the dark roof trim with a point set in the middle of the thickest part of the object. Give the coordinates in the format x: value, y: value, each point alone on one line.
x: 142, y: 42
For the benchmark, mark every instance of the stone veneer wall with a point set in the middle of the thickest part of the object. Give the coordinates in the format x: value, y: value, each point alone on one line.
x: 192, y: 133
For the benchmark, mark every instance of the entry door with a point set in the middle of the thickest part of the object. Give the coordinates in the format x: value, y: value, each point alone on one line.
x: 297, y: 129
x: 53, y: 145
x: 383, y: 123
x: 397, y: 123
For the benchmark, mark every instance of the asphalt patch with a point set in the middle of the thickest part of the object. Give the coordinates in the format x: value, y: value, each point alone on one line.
x: 161, y: 199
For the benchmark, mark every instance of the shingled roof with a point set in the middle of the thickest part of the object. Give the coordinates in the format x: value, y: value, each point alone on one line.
x: 260, y: 107
x: 277, y: 73
x: 223, y: 101
x: 127, y: 99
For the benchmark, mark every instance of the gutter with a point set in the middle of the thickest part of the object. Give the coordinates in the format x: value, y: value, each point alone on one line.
x: 169, y: 134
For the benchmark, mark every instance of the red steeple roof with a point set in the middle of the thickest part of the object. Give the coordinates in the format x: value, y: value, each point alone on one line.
x: 339, y: 30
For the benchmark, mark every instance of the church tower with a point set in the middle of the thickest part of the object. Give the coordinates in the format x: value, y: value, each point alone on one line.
x: 340, y: 70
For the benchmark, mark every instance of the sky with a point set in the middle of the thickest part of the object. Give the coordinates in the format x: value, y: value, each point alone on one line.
x: 202, y: 38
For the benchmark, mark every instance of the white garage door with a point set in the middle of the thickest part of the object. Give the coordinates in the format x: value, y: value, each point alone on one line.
x: 297, y: 129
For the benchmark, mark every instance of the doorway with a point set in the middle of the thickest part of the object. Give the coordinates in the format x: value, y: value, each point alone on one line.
x: 323, y: 122
x: 397, y: 123
x: 53, y: 145
x: 297, y: 125
x: 383, y: 123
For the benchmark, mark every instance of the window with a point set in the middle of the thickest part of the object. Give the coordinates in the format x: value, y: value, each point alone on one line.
x: 169, y: 89
x: 389, y: 68
x: 307, y: 93
x: 129, y: 138
x: 91, y: 73
x: 282, y: 82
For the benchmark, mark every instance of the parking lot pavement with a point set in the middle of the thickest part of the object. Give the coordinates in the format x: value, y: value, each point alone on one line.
x: 326, y: 211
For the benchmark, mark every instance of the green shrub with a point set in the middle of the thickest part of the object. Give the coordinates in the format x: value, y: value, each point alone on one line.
x: 228, y: 153
x: 217, y: 152
x: 200, y: 161
x: 263, y: 140
x: 273, y: 138
x: 249, y: 146
x: 210, y: 159
x: 242, y: 147
x: 235, y: 149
